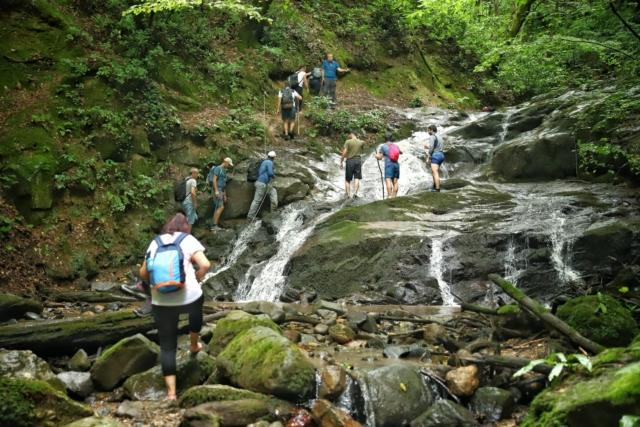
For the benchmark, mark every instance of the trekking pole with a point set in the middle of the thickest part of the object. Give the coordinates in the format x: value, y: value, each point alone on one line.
x: 264, y: 117
x: 381, y: 179
x: 260, y: 206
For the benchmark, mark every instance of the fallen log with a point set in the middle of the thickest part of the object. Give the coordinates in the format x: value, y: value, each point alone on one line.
x: 88, y: 296
x: 543, y: 314
x: 420, y: 320
x: 507, y: 362
x: 60, y: 337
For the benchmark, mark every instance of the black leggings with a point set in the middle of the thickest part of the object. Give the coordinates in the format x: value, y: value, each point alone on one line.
x: 166, y: 318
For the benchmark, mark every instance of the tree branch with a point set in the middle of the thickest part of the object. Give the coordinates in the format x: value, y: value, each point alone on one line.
x: 624, y: 22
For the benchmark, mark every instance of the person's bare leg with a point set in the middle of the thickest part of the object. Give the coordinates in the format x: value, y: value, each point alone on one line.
x: 395, y: 187
x: 435, y: 171
x: 389, y: 188
x: 196, y: 345
x: 170, y: 381
x: 347, y: 188
x: 216, y: 215
x: 357, y: 187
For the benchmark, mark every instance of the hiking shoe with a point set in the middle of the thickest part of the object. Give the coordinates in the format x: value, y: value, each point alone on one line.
x: 215, y: 228
x: 144, y: 310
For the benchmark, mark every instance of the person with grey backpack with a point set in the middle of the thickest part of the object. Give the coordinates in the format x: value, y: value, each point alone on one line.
x: 287, y: 99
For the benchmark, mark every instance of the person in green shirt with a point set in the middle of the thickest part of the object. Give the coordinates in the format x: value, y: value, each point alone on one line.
x: 352, y: 152
x: 219, y: 182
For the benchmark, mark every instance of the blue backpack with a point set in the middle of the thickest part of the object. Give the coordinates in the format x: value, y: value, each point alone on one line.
x: 166, y: 268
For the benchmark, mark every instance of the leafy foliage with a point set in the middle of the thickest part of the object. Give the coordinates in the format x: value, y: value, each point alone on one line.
x: 560, y: 363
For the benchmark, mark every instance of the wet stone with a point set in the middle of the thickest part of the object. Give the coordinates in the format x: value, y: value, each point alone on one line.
x: 321, y: 329
x: 77, y: 383
x: 341, y: 334
x: 492, y: 403
x: 463, y: 381
x: 333, y: 381
x: 80, y: 361
x: 404, y: 351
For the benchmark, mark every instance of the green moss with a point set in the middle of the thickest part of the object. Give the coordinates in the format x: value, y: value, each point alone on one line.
x: 216, y: 393
x: 233, y: 325
x: 600, y: 318
x: 509, y: 309
x: 14, y: 306
x: 36, y: 403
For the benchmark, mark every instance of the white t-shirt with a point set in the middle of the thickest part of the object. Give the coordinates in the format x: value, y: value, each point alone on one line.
x: 301, y: 76
x: 295, y: 94
x: 191, y: 183
x: 192, y: 290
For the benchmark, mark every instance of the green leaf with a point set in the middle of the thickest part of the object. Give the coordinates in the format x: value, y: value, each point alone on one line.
x: 623, y: 290
x: 584, y: 361
x: 561, y: 357
x: 556, y: 371
x: 528, y: 368
x: 630, y: 421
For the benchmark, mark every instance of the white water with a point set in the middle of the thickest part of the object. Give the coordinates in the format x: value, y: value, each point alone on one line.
x: 239, y: 247
x: 269, y: 283
x: 514, y: 266
x: 562, y: 250
x: 436, y: 270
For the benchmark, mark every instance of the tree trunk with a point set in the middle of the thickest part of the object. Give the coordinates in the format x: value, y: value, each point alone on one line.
x: 549, y: 319
x: 520, y: 16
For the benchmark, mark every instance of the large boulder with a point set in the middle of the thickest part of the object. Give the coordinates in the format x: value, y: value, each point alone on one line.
x: 327, y: 415
x: 14, y: 307
x: 191, y: 371
x: 216, y: 393
x: 445, y: 413
x: 123, y: 359
x: 23, y: 364
x: 493, y: 404
x: 393, y: 395
x: 236, y: 412
x: 544, y: 157
x: 34, y: 403
x: 592, y: 400
x: 96, y: 422
x: 77, y: 383
x: 600, y: 318
x: 233, y: 325
x: 262, y: 360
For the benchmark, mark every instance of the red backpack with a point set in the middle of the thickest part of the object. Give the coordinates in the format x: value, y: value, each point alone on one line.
x: 394, y: 152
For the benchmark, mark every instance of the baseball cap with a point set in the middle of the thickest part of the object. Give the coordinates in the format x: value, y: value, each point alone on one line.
x: 228, y: 160
x: 271, y: 154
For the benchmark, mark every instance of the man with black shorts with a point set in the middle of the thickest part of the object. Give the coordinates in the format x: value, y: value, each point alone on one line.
x: 352, y: 152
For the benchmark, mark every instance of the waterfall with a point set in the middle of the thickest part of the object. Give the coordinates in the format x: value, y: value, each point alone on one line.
x: 239, y: 247
x: 436, y: 269
x: 562, y: 250
x: 269, y: 283
x: 513, y: 265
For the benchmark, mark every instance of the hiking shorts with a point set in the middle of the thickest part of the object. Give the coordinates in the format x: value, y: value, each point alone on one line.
x: 218, y: 202
x: 289, y: 115
x: 392, y: 170
x: 353, y: 169
x: 437, y: 158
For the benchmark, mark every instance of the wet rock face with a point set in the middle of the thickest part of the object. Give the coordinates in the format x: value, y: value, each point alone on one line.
x: 23, y: 364
x: 125, y: 358
x: 393, y: 395
x: 492, y: 404
x: 262, y: 360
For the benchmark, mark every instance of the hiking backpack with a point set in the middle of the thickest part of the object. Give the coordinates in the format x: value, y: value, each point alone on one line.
x: 394, y: 152
x: 166, y: 267
x: 316, y: 73
x: 254, y: 171
x: 287, y: 102
x: 293, y: 80
x: 180, y: 190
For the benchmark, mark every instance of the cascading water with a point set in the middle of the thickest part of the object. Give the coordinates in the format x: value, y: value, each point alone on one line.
x: 514, y: 266
x: 562, y: 250
x: 436, y: 270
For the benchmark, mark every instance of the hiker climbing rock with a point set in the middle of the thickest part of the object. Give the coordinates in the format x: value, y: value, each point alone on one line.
x: 185, y: 193
x: 315, y: 81
x: 330, y: 70
x: 298, y: 81
x: 264, y: 187
x: 435, y: 155
x: 219, y: 183
x: 391, y: 154
x: 352, y: 152
x: 286, y: 104
x: 168, y: 267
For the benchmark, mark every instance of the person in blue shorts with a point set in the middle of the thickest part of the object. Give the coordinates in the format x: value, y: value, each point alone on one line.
x: 435, y: 155
x: 390, y: 152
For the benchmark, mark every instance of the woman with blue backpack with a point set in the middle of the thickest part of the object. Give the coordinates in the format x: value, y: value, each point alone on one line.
x: 175, y: 289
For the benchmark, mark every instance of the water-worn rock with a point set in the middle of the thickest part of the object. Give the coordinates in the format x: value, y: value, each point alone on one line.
x: 463, y: 381
x: 273, y: 310
x: 333, y: 380
x: 492, y: 404
x: 321, y: 329
x: 394, y: 395
x: 95, y: 422
x: 79, y: 362
x: 262, y: 360
x: 402, y: 351
x: 341, y: 333
x: 237, y: 412
x: 77, y: 383
x: 595, y: 400
x: 216, y: 393
x: 23, y: 364
x: 36, y: 403
x: 327, y: 415
x: 15, y: 307
x: 445, y: 413
x: 601, y: 318
x: 123, y: 359
x: 233, y: 325
x: 200, y: 419
x: 191, y: 371
x: 433, y: 333
x: 130, y: 409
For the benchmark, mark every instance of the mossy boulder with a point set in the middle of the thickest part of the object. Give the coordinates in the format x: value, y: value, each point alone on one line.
x: 32, y: 403
x: 13, y: 306
x: 125, y: 358
x: 23, y: 364
x: 262, y: 360
x: 600, y: 318
x: 216, y: 393
x: 191, y: 371
x: 595, y: 400
x: 233, y: 325
x: 445, y: 413
x: 341, y: 333
x: 235, y: 413
x: 96, y: 422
